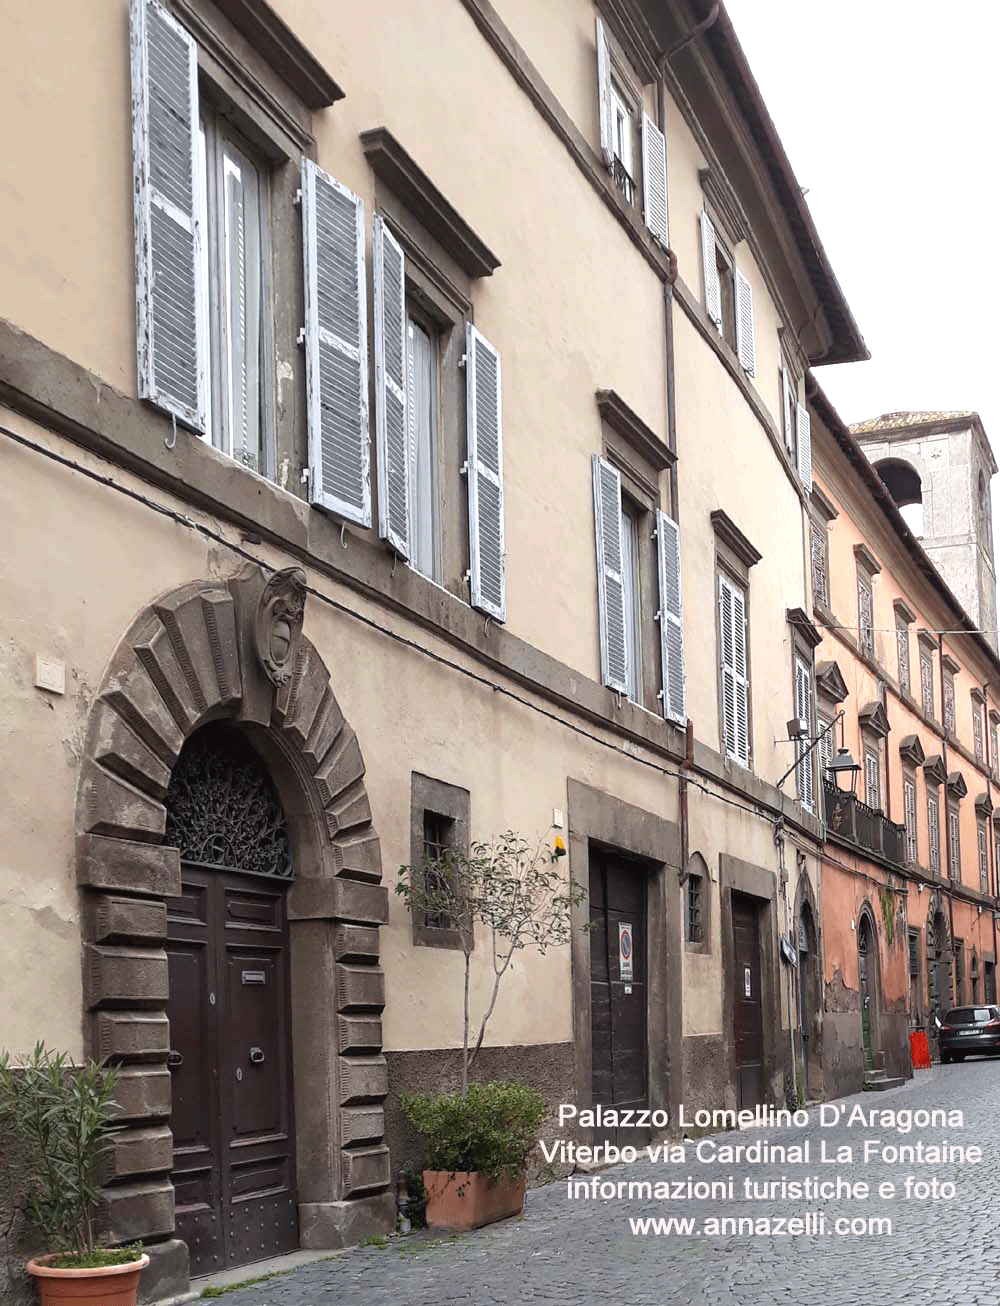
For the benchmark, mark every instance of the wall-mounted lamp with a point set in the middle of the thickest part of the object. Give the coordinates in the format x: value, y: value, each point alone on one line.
x: 920, y: 887
x: 844, y: 771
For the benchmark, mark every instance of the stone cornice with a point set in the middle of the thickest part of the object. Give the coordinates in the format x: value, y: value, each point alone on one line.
x: 406, y: 179
x: 634, y: 431
x: 730, y: 534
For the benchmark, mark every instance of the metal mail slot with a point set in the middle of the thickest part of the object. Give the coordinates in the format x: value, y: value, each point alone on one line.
x: 254, y: 977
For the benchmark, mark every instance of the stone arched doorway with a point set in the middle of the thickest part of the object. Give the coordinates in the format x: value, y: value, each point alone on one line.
x: 229, y: 1008
x: 868, y: 984
x: 809, y: 1003
x: 234, y: 652
x: 940, y: 980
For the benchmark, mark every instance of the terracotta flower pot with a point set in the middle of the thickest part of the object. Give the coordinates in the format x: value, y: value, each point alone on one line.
x: 105, y: 1285
x: 466, y: 1200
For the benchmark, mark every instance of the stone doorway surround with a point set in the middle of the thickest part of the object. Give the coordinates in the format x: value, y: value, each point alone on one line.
x: 234, y: 650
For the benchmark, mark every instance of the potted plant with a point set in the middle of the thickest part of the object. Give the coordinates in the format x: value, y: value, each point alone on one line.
x: 477, y: 1146
x: 478, y: 1140
x: 59, y: 1116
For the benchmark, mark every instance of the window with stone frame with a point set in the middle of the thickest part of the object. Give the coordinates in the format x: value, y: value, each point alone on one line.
x: 984, y: 855
x: 439, y: 824
x: 866, y: 614
x: 948, y: 705
x: 933, y: 832
x: 694, y: 907
x: 910, y: 814
x: 903, y: 652
x: 927, y: 679
x: 978, y: 740
x: 873, y: 775
x: 954, y: 841
x: 959, y: 951
x: 820, y: 563
x: 913, y: 942
x: 994, y: 758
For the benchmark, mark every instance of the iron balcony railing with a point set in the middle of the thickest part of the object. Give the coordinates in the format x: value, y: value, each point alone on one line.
x: 862, y: 825
x: 623, y: 179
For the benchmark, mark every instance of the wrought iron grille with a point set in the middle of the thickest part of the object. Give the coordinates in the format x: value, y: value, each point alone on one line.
x: 223, y: 809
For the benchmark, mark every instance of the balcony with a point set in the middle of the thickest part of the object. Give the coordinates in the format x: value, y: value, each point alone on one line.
x: 863, y: 826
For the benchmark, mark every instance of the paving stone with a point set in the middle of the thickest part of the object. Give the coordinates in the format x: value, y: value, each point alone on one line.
x: 583, y: 1253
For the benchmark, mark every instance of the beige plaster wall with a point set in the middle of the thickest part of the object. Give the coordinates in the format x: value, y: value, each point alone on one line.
x: 409, y: 712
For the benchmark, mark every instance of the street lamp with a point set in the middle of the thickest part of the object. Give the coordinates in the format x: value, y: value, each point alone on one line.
x: 843, y: 764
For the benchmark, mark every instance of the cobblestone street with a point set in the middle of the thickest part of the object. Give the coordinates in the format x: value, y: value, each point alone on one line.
x: 945, y: 1251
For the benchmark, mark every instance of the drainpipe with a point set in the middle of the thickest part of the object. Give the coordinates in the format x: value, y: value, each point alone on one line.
x: 693, y: 35
x: 947, y: 817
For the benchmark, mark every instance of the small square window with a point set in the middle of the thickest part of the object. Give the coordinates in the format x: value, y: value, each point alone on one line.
x: 439, y: 827
x: 438, y: 840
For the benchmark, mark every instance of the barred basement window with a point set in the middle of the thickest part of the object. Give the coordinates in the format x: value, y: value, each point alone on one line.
x: 438, y: 840
x: 913, y: 940
x: 693, y: 931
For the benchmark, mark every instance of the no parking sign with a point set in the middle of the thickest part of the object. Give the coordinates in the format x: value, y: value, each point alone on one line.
x: 624, y: 952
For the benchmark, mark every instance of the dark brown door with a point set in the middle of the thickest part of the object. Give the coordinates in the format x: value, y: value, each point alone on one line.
x: 234, y: 1147
x: 748, y: 1031
x: 617, y: 1003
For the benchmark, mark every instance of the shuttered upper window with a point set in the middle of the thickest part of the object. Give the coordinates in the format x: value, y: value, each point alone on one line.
x: 910, y: 816
x: 934, y: 832
x: 734, y: 670
x: 806, y: 769
x: 866, y: 619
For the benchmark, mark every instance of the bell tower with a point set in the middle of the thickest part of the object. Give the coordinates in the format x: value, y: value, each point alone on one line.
x: 938, y: 467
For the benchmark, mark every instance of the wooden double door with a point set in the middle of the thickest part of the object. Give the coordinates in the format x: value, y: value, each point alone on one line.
x: 618, y: 988
x: 748, y: 1015
x: 230, y: 1065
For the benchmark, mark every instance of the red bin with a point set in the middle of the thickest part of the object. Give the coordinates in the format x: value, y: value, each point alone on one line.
x: 920, y: 1053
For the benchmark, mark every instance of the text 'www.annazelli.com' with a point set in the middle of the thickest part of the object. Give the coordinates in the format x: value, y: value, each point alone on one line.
x: 813, y: 1224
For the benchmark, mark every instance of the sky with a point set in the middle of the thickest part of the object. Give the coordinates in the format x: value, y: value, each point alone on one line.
x: 888, y: 110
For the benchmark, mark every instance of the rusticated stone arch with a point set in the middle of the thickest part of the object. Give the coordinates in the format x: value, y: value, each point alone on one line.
x: 940, y: 977
x: 234, y: 650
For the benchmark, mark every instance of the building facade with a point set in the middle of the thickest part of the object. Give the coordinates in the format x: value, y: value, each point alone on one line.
x: 391, y: 461
x: 909, y: 682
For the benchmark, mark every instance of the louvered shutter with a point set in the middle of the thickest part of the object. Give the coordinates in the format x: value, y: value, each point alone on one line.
x: 710, y: 270
x: 171, y: 349
x: 745, y: 350
x: 654, y: 179
x: 735, y: 686
x: 788, y: 409
x: 803, y: 435
x: 336, y: 340
x: 610, y: 585
x: 392, y: 435
x: 803, y: 710
x: 671, y: 618
x: 604, y: 95
x: 485, y: 472
x: 872, y: 780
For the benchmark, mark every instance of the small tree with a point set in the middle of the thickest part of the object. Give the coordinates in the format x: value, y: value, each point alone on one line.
x: 512, y: 888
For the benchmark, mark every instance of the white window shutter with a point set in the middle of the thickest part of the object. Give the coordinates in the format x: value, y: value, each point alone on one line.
x: 803, y: 434
x: 710, y: 269
x: 610, y: 585
x: 735, y: 685
x: 171, y: 349
x: 744, y: 324
x: 671, y: 617
x: 654, y: 179
x: 788, y: 409
x: 392, y: 435
x: 803, y: 710
x: 604, y: 95
x: 485, y: 471
x: 336, y: 340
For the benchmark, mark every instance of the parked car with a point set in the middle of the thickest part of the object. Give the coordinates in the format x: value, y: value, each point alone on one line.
x: 968, y: 1030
